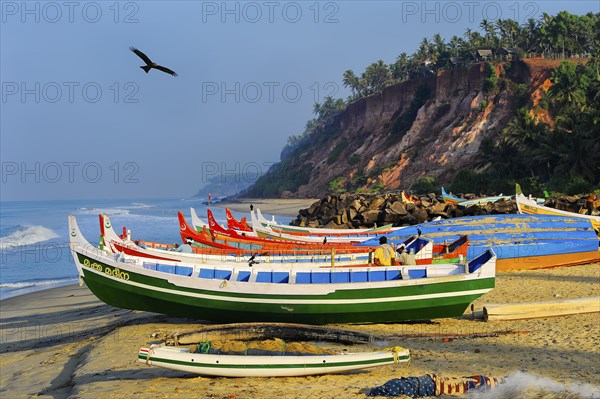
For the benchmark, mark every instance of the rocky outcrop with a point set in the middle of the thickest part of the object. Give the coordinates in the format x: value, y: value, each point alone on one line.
x: 347, y: 211
x: 430, y: 126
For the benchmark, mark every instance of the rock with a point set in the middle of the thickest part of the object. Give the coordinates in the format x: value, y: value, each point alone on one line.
x: 343, y: 218
x: 313, y: 208
x: 425, y: 203
x: 370, y: 217
x: 351, y: 213
x: 398, y: 208
x: 356, y: 205
x: 420, y: 215
x: 376, y: 203
x: 571, y: 199
x: 472, y: 210
x: 410, y: 207
x: 438, y: 207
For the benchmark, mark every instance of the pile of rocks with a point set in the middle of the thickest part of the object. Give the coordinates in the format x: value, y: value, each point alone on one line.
x: 369, y: 210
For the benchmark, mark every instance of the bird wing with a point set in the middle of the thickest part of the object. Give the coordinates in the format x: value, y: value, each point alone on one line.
x: 166, y: 70
x: 141, y: 55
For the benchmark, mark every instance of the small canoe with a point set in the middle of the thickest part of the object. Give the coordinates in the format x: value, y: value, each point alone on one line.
x: 182, y: 359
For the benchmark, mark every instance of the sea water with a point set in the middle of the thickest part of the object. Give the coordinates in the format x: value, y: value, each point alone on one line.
x: 34, y: 243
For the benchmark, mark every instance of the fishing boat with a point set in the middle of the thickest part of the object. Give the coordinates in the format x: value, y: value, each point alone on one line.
x: 407, y: 199
x: 268, y: 232
x: 198, y: 223
x: 317, y: 231
x: 233, y: 238
x: 452, y: 199
x: 520, y: 241
x: 234, y: 224
x: 165, y: 252
x: 233, y: 293
x: 285, y: 365
x: 531, y: 207
x: 425, y: 252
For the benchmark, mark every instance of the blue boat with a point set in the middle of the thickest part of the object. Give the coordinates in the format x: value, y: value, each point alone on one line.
x: 520, y: 241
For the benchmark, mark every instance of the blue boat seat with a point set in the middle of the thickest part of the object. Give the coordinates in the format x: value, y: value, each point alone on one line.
x: 417, y: 273
x: 166, y: 269
x: 476, y: 263
x: 183, y: 270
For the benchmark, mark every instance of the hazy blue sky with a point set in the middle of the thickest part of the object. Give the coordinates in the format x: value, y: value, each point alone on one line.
x: 80, y: 119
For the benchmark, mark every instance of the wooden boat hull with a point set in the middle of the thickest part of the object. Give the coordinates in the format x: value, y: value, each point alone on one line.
x: 232, y: 293
x: 181, y: 359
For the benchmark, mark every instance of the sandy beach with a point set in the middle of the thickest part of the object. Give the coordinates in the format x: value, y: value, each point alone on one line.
x: 284, y: 207
x: 63, y: 343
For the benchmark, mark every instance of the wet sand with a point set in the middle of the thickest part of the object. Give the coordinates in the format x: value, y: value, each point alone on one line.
x: 63, y: 343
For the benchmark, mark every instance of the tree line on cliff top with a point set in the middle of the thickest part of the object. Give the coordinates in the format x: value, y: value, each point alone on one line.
x: 564, y: 156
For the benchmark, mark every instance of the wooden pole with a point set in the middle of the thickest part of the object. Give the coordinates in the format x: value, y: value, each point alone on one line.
x: 535, y: 310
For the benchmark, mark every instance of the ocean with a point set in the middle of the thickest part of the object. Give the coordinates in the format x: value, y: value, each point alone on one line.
x: 34, y: 245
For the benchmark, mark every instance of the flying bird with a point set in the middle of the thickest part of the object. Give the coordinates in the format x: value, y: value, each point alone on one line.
x: 151, y: 64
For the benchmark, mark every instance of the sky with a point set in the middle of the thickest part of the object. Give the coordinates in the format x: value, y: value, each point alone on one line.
x: 79, y: 119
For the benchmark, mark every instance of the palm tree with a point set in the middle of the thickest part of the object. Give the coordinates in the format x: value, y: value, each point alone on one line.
x: 351, y: 80
x: 569, y: 85
x: 490, y: 33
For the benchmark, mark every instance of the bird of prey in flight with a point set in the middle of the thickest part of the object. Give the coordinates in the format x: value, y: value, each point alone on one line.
x: 151, y: 64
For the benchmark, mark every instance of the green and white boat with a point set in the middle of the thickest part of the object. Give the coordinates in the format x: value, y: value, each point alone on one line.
x: 239, y: 293
x: 222, y: 365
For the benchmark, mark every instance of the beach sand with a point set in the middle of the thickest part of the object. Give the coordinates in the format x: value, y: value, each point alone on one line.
x: 284, y: 207
x: 63, y: 343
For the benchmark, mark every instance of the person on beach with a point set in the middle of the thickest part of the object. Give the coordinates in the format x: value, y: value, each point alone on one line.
x: 402, y: 255
x: 384, y: 254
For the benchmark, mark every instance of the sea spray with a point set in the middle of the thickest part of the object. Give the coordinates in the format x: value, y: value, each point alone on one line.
x: 530, y: 386
x: 26, y: 236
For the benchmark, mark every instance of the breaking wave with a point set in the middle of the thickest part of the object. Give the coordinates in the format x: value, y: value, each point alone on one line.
x: 26, y: 235
x: 9, y: 290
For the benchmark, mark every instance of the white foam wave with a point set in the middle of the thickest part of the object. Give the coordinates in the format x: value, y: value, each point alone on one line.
x: 9, y: 290
x: 27, y: 236
x: 137, y: 205
x: 529, y: 386
x: 108, y: 211
x: 29, y: 284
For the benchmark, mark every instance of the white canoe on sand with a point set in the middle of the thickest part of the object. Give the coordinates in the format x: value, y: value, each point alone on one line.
x: 181, y: 359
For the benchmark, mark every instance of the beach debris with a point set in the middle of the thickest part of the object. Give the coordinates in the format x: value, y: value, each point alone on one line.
x: 433, y: 385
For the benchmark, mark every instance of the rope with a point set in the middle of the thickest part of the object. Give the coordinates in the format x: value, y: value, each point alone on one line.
x: 396, y: 353
x: 203, y: 347
x: 150, y: 352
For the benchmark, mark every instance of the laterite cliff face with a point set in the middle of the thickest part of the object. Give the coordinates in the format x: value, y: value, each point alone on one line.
x: 390, y: 140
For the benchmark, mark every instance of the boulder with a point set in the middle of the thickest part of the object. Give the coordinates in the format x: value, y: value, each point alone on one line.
x: 376, y: 203
x: 356, y: 205
x: 420, y: 215
x: 369, y: 218
x: 398, y: 208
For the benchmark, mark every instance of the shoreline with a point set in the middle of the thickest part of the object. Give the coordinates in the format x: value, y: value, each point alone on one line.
x: 273, y: 206
x: 64, y: 342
